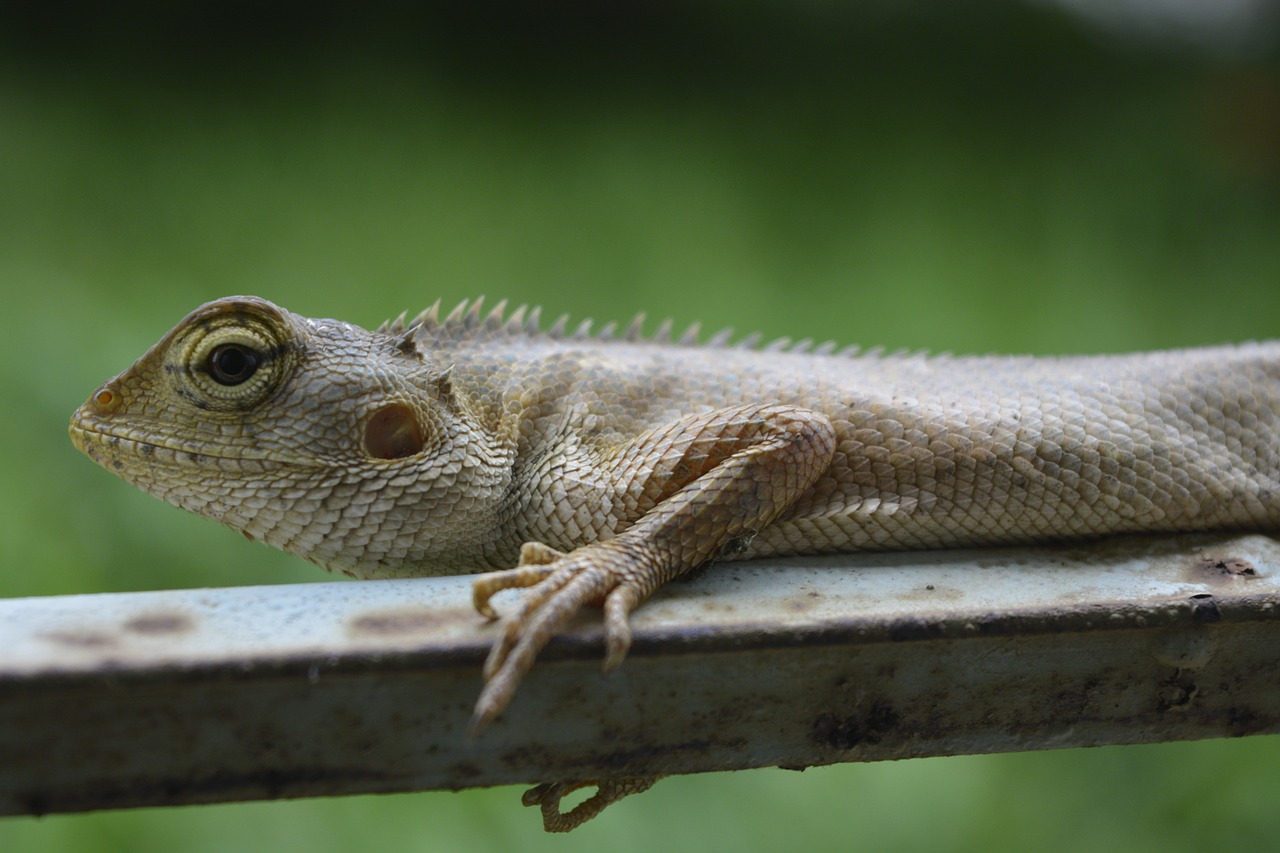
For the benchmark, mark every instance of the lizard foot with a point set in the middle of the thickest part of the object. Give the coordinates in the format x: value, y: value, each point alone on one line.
x: 557, y: 589
x: 608, y: 791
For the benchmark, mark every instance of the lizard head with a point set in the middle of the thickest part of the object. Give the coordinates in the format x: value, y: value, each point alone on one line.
x: 341, y: 445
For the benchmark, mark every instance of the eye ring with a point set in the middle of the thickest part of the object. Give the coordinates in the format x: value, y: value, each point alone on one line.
x: 233, y: 364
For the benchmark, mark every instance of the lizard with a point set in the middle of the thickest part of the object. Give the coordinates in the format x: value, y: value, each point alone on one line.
x: 605, y: 464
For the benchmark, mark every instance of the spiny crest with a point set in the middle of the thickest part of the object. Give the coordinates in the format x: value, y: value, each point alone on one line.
x: 469, y: 319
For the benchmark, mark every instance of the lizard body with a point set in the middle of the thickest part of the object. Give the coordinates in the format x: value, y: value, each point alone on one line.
x: 607, y: 464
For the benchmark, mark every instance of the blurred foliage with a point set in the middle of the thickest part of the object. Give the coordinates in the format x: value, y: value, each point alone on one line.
x: 986, y: 177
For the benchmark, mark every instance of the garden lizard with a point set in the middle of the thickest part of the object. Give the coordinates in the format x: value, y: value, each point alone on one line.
x: 606, y: 463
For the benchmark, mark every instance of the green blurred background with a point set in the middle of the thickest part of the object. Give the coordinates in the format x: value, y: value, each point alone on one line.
x: 996, y: 177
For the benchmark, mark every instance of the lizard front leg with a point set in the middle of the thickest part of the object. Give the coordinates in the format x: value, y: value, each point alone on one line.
x: 703, y: 482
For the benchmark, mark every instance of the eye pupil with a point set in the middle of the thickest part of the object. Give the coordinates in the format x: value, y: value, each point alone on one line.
x: 231, y: 364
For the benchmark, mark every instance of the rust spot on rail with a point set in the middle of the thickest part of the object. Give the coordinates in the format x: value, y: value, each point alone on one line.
x: 160, y: 623
x: 1226, y: 567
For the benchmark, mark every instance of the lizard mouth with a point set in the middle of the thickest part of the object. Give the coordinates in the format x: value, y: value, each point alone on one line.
x: 109, y: 445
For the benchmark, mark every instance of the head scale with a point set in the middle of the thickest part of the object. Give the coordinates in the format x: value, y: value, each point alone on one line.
x: 329, y: 441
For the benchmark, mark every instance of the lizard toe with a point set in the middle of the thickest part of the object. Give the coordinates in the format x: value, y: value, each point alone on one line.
x: 544, y: 611
x: 547, y: 798
x: 538, y: 554
x: 489, y: 584
x: 617, y: 627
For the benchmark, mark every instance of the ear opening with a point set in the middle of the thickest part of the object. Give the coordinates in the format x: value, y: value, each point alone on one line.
x: 393, y: 432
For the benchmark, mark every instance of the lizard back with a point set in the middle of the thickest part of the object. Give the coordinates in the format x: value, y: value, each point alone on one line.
x: 439, y: 445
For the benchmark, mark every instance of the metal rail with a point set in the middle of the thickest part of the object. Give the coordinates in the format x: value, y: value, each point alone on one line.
x: 194, y: 696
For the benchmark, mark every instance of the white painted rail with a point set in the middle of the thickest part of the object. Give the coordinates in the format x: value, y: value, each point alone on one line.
x: 144, y: 699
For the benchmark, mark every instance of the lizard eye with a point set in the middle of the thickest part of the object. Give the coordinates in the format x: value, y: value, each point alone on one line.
x: 232, y: 364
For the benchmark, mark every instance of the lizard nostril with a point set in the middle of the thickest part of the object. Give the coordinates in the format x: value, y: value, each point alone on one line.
x: 106, y: 400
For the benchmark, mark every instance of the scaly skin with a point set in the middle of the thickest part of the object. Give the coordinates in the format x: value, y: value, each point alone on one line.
x: 608, y: 466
